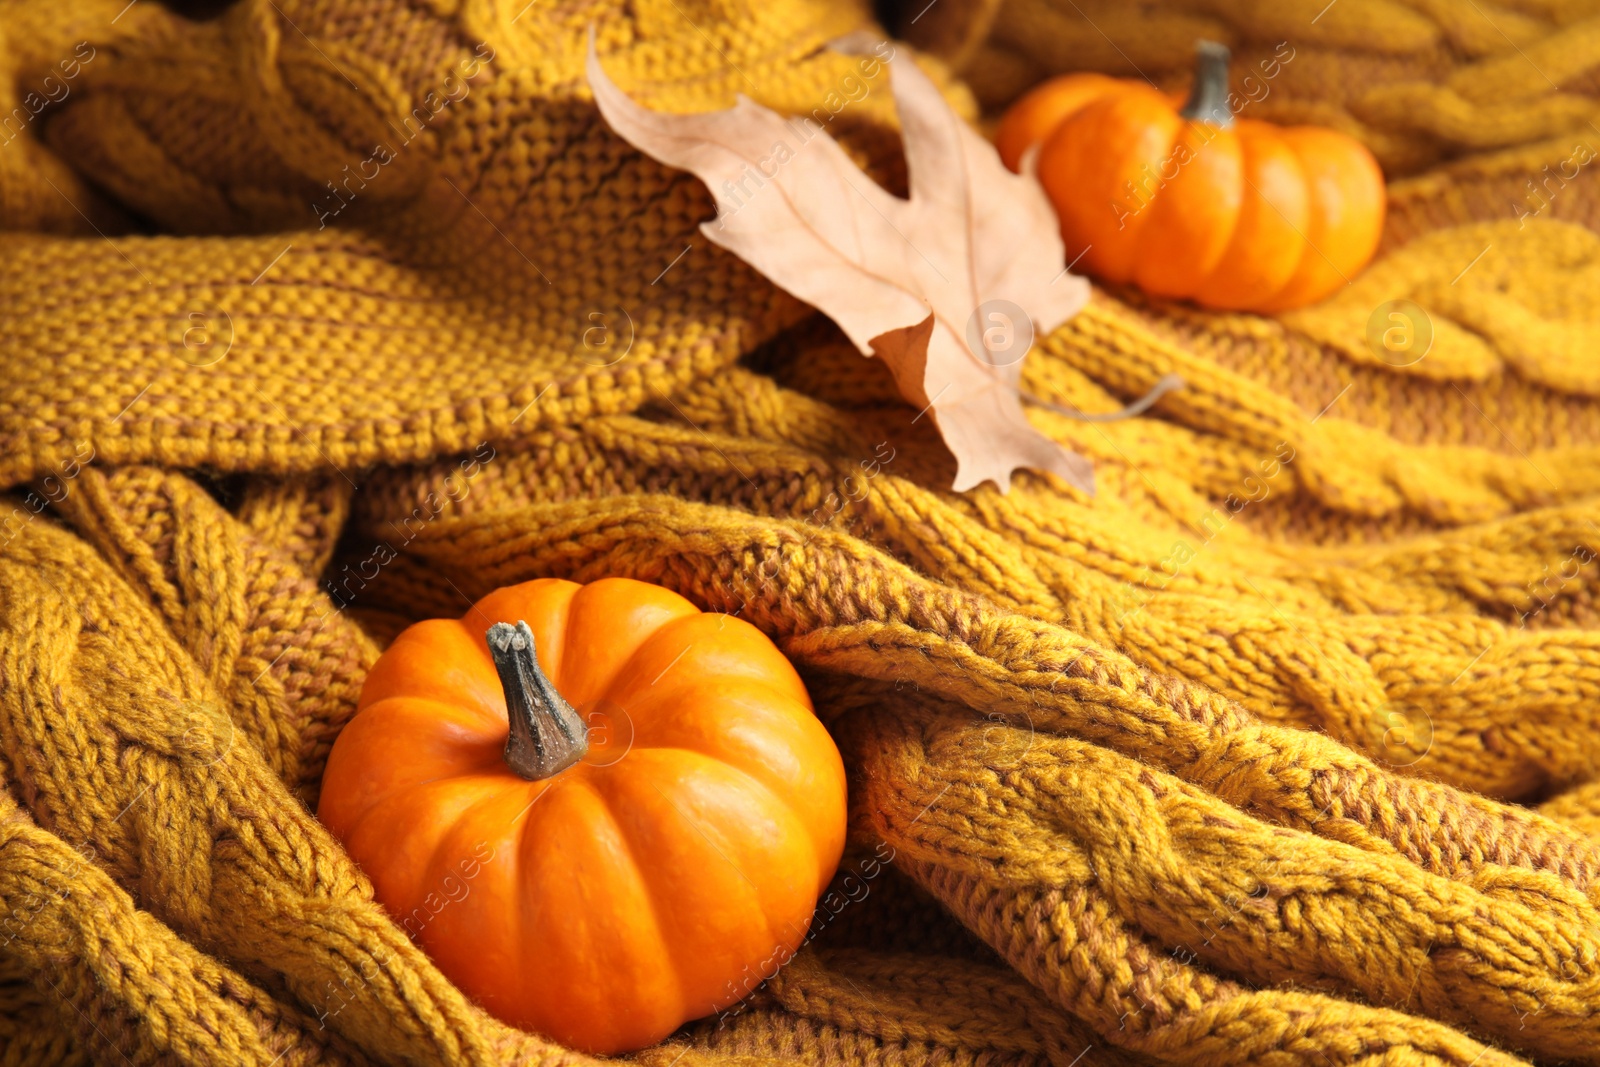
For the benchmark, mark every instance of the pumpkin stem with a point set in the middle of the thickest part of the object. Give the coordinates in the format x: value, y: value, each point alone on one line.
x: 547, y: 736
x: 1208, y: 99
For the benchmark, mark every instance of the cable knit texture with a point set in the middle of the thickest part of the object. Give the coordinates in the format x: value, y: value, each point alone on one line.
x: 321, y: 317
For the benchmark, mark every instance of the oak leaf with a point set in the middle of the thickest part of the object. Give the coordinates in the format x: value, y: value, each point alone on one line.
x: 946, y: 287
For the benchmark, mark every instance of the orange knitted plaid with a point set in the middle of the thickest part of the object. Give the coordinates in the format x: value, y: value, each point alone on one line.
x: 325, y: 317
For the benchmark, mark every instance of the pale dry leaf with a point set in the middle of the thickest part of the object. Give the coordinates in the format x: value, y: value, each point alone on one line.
x: 933, y: 285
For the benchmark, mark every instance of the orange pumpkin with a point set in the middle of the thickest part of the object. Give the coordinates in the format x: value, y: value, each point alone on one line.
x: 637, y: 845
x: 1192, y: 203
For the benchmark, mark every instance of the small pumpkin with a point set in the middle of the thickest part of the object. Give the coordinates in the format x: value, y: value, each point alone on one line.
x: 1192, y: 203
x: 601, y: 811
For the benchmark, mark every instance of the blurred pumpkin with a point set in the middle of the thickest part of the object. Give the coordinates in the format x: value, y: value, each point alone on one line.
x: 631, y: 845
x: 1191, y: 202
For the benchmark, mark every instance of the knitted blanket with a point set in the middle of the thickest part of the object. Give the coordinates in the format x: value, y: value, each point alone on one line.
x: 321, y: 317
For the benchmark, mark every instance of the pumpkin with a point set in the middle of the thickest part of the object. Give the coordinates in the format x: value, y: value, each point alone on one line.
x: 601, y: 811
x: 1191, y: 203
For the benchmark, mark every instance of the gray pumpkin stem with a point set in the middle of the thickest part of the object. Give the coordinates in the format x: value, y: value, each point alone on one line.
x: 547, y: 736
x: 1208, y: 98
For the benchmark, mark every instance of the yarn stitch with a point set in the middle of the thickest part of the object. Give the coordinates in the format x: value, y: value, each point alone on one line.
x: 325, y: 317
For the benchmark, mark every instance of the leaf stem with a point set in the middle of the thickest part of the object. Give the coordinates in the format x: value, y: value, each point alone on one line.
x: 1166, y: 384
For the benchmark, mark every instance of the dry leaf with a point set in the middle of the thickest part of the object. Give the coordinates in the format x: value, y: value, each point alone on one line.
x: 942, y: 286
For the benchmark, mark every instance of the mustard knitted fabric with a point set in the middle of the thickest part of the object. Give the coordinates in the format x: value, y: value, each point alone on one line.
x: 321, y: 317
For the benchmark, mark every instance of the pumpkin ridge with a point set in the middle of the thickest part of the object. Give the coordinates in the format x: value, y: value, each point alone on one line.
x: 1349, y: 175
x: 512, y: 782
x: 477, y: 713
x: 1247, y: 189
x: 402, y: 707
x: 408, y: 786
x: 492, y: 788
x: 784, y: 802
x: 714, y: 758
x: 618, y: 681
x: 525, y: 599
x: 1221, y: 267
x: 531, y: 858
x: 1224, y: 287
x: 1105, y: 110
x: 447, y: 854
x: 667, y: 693
x: 1313, y: 207
x: 650, y: 889
x: 440, y: 851
x: 770, y: 936
x: 743, y: 700
x: 581, y: 606
x: 621, y: 682
x: 428, y: 637
x: 1194, y: 139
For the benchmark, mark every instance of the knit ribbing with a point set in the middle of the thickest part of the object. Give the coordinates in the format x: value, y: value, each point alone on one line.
x: 1282, y: 749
